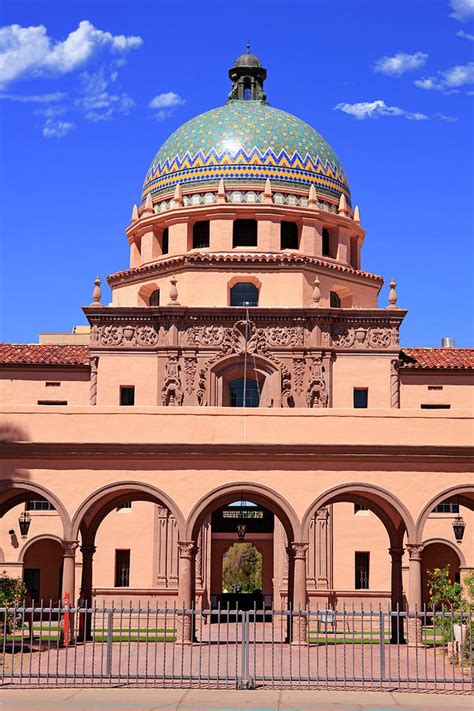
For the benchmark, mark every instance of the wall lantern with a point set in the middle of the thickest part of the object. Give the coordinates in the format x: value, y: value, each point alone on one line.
x: 459, y: 525
x: 24, y: 522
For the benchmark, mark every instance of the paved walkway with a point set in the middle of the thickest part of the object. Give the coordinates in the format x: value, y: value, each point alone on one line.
x: 225, y: 700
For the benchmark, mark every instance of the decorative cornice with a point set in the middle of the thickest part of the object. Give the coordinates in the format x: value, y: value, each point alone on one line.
x: 289, y: 259
x: 294, y: 452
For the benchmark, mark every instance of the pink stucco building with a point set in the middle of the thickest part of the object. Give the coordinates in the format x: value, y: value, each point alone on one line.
x: 244, y: 358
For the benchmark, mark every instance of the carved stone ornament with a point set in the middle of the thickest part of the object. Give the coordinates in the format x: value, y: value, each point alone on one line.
x: 345, y: 336
x: 317, y: 393
x: 70, y: 548
x: 190, y: 364
x: 298, y: 550
x: 414, y: 550
x: 299, y: 366
x: 233, y: 339
x: 172, y: 393
x: 128, y: 335
x: 187, y: 549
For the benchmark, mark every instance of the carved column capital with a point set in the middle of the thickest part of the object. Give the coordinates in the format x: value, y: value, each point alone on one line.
x: 70, y: 548
x: 396, y: 554
x: 414, y: 550
x: 187, y: 549
x: 88, y: 551
x: 322, y: 514
x: 298, y: 550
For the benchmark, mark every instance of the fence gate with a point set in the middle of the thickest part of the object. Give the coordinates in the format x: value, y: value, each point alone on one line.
x: 344, y: 649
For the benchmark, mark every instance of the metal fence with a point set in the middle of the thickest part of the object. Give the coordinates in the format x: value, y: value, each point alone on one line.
x: 344, y: 649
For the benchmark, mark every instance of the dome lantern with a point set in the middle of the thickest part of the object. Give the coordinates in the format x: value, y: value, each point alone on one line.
x: 247, y: 77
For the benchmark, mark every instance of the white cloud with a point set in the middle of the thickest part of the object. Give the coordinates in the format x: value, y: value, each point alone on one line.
x: 166, y: 101
x: 462, y: 9
x: 450, y: 80
x: 465, y: 35
x: 54, y: 128
x: 375, y: 109
x: 30, y: 51
x: 96, y: 100
x: 400, y: 63
x: 35, y: 98
x: 448, y: 119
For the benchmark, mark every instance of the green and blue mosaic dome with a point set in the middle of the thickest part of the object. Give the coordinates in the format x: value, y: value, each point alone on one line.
x: 246, y: 142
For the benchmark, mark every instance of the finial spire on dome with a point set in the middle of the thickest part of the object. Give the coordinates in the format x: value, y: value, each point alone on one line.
x: 247, y: 77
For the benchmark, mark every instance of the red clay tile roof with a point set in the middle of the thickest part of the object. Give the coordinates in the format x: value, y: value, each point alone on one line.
x: 288, y: 258
x: 39, y: 354
x: 78, y: 355
x: 439, y: 358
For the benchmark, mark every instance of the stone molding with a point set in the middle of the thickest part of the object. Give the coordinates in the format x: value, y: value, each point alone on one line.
x: 230, y: 259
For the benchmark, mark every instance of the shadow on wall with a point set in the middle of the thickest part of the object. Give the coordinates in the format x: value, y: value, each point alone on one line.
x: 12, y: 433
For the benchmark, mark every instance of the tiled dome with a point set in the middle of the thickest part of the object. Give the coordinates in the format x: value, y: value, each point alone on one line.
x: 243, y: 142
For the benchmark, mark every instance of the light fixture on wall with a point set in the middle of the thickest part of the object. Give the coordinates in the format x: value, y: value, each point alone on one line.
x: 24, y: 522
x: 241, y: 527
x: 459, y: 525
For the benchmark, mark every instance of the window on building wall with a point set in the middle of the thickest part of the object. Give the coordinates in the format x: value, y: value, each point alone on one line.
x: 360, y: 507
x: 448, y: 507
x: 127, y: 395
x: 244, y: 294
x: 326, y: 243
x: 165, y: 241
x: 244, y: 233
x: 288, y: 235
x: 52, y: 402
x: 247, y: 93
x: 361, y: 397
x: 201, y: 234
x: 435, y: 407
x: 334, y: 300
x: 39, y: 504
x: 155, y: 298
x: 244, y: 393
x: 122, y: 568
x: 362, y: 560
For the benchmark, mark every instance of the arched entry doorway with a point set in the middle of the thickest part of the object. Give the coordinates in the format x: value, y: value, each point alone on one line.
x: 438, y: 554
x: 258, y: 498
x: 235, y: 529
x: 43, y: 569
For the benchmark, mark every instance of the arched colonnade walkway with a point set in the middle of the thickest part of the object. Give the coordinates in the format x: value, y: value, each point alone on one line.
x: 79, y: 529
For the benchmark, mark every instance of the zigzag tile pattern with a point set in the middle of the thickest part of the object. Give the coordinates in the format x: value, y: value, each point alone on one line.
x: 246, y: 141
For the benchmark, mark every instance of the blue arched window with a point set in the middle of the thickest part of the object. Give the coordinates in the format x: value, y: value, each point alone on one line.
x: 244, y: 294
x: 236, y: 393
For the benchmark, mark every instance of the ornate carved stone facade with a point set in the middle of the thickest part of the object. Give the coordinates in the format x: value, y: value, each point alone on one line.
x: 295, y: 348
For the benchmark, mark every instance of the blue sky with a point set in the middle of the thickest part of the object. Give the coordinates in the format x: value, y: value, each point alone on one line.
x: 89, y: 91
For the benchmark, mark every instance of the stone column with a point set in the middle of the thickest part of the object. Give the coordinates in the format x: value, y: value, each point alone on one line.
x: 185, y: 622
x: 69, y: 582
x: 414, y: 592
x: 93, y: 384
x: 69, y: 560
x: 396, y: 555
x: 85, y: 620
x: 298, y: 628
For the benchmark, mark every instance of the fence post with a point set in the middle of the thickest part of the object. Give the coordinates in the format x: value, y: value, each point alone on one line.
x: 382, y: 646
x: 110, y: 632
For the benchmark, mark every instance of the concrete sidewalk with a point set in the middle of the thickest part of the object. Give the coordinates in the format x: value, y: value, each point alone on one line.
x: 226, y: 699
